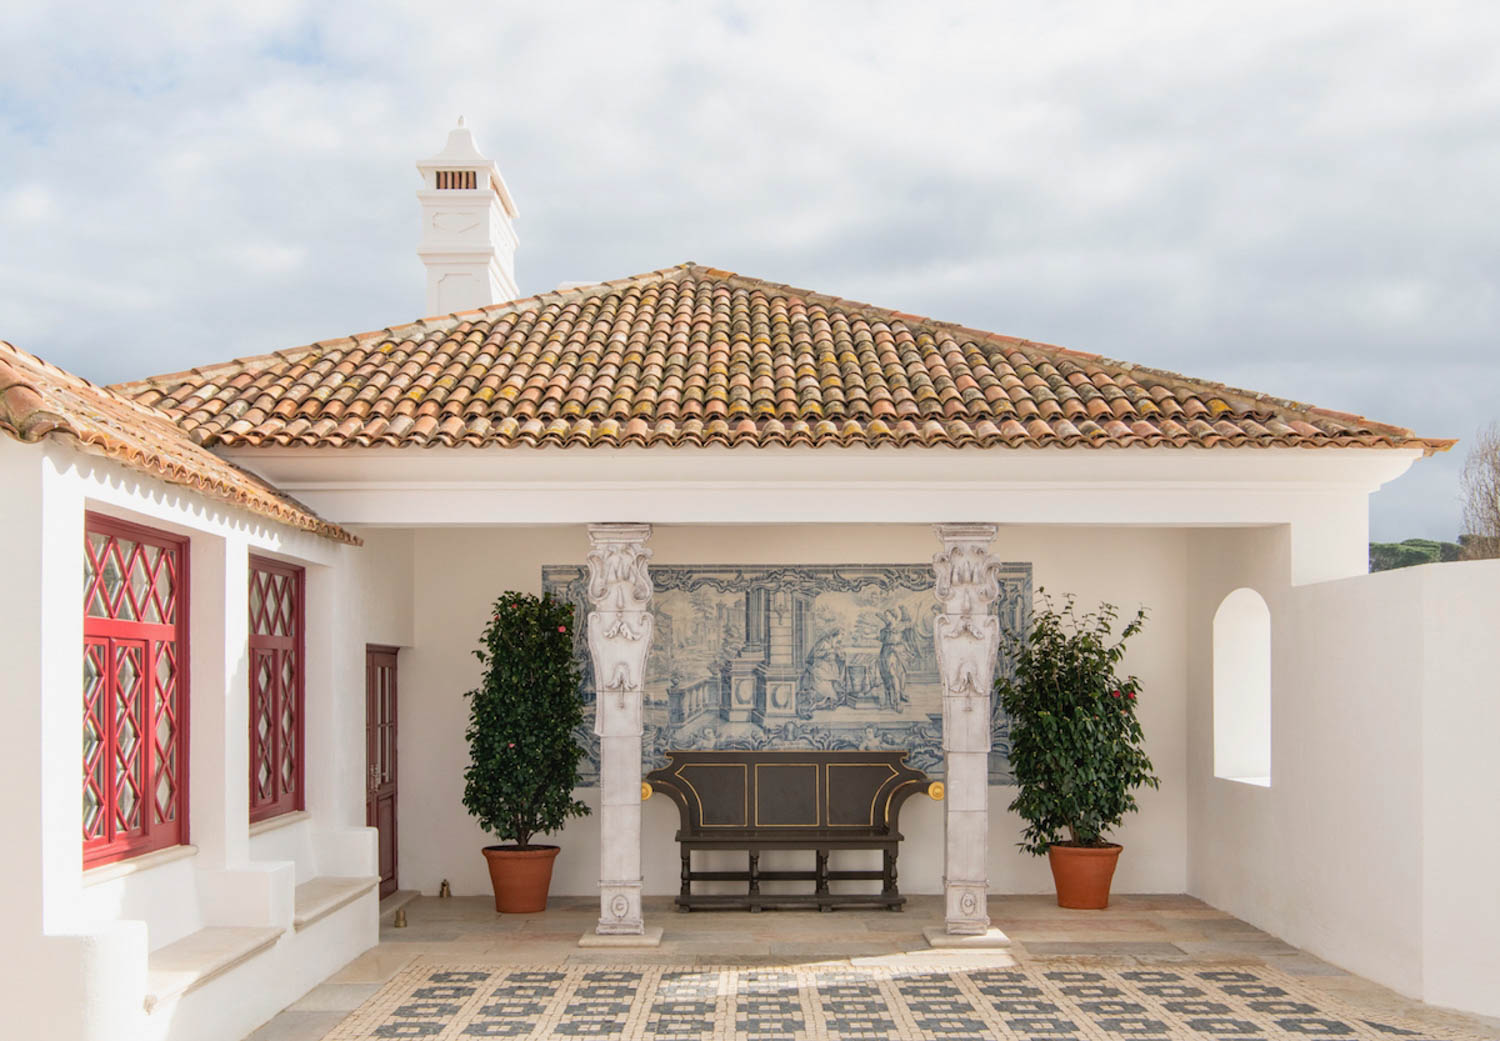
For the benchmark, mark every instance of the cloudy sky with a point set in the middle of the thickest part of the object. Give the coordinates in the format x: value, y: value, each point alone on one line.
x: 1299, y: 198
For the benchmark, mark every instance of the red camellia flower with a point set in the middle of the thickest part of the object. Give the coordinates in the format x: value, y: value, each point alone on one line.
x: 1131, y: 695
x: 1114, y: 694
x: 511, y: 745
x: 562, y: 628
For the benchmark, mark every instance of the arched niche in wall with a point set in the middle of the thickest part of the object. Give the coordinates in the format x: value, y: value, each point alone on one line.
x: 1242, y: 688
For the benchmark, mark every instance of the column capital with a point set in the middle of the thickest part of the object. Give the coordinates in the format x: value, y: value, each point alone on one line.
x: 967, y: 576
x: 619, y: 532
x: 953, y: 533
x: 619, y: 584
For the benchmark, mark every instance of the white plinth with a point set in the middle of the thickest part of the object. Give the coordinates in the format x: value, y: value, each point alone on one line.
x: 940, y: 938
x: 650, y: 938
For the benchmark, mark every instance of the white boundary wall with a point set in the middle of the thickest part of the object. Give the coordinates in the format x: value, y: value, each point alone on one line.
x: 1375, y: 844
x: 77, y: 955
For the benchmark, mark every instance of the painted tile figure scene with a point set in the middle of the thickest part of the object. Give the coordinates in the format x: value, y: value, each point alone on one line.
x: 793, y: 657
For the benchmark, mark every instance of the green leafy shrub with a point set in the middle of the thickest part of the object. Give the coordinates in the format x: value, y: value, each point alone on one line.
x: 1076, y: 745
x: 523, y: 759
x: 1384, y: 556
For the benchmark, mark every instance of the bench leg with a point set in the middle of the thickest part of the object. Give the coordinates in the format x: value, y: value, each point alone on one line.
x: 822, y: 872
x: 754, y: 882
x: 889, y: 870
x: 687, y: 877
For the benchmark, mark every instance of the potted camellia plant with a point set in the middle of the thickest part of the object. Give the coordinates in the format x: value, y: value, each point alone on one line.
x: 1076, y: 743
x: 523, y: 758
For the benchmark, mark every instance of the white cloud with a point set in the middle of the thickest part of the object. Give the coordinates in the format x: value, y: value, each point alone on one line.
x: 1297, y: 194
x: 28, y: 203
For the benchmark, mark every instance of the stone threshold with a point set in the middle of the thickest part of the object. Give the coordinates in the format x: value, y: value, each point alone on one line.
x: 396, y: 901
x: 318, y: 898
x: 192, y: 961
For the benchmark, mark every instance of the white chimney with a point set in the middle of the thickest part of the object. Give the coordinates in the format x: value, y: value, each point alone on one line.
x: 468, y: 241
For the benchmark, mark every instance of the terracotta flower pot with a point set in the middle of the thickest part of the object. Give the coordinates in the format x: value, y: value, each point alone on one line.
x: 1082, y: 874
x: 520, y: 877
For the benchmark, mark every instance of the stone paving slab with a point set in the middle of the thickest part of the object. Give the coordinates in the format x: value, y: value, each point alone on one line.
x: 1043, y: 1000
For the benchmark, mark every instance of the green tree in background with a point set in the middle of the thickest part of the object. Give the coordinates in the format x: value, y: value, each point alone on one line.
x: 1387, y: 555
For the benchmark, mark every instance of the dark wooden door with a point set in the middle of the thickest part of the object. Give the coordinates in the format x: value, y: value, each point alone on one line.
x: 380, y: 755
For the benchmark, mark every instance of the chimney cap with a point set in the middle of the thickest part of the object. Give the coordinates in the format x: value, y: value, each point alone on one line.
x: 461, y: 147
x: 462, y: 152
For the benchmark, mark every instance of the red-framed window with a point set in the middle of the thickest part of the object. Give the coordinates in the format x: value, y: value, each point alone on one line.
x: 135, y: 690
x: 276, y: 662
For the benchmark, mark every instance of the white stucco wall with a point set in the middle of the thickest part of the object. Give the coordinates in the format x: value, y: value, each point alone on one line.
x: 460, y: 571
x: 77, y: 960
x: 1461, y: 785
x: 1364, y: 849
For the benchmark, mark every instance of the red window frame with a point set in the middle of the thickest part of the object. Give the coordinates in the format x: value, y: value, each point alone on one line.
x: 278, y: 660
x: 135, y: 694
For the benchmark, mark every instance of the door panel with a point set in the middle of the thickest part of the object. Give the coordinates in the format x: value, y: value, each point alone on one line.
x: 380, y: 755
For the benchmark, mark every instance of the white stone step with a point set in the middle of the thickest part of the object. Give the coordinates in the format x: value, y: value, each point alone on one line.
x: 319, y: 897
x: 195, y: 959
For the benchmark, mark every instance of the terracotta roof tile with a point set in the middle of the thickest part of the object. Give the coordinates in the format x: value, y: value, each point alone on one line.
x: 696, y: 356
x: 38, y: 400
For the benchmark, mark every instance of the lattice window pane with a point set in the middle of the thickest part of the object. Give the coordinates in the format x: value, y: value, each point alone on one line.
x: 134, y: 766
x: 166, y: 735
x: 143, y: 583
x: 95, y: 748
x: 165, y: 590
x: 288, y: 722
x: 93, y: 598
x: 257, y: 603
x: 263, y: 721
x: 129, y: 748
x: 276, y: 687
x: 138, y: 582
x: 286, y: 605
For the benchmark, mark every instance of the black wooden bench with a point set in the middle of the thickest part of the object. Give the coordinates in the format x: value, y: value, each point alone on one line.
x: 762, y: 801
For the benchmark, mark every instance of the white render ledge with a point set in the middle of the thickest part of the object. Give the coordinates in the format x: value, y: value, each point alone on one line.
x: 318, y: 898
x: 192, y: 961
x: 281, y: 820
x: 135, y: 865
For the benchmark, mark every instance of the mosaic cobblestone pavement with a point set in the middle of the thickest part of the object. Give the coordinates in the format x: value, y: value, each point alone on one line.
x: 1030, y: 1002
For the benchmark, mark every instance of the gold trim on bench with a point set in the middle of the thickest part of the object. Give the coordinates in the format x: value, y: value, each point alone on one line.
x: 745, y: 814
x: 828, y: 784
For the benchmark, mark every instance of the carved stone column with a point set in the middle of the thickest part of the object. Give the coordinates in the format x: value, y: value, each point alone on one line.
x: 968, y: 638
x: 619, y: 640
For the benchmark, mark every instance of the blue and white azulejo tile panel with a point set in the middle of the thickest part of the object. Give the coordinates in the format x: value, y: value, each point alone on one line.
x: 792, y: 657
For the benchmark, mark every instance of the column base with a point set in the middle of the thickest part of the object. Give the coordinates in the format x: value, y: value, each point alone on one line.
x: 648, y: 938
x: 965, y: 904
x: 939, y: 938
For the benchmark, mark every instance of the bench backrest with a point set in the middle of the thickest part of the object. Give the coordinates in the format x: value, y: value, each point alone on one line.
x: 840, y: 792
